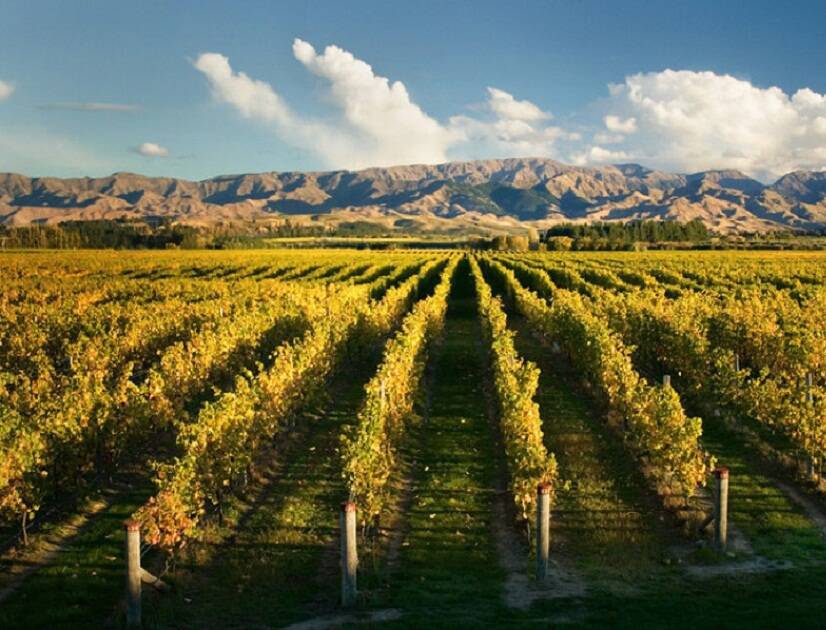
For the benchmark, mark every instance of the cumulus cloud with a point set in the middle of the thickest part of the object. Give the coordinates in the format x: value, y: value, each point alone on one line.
x: 5, y: 90
x: 691, y: 121
x: 379, y: 114
x: 253, y: 99
x: 511, y: 128
x: 93, y: 107
x: 618, y: 125
x: 379, y: 125
x: 150, y: 149
x: 675, y: 120
x: 378, y: 122
x: 599, y: 155
x: 507, y: 107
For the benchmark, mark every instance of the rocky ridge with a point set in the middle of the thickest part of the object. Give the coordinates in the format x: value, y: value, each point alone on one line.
x: 484, y: 193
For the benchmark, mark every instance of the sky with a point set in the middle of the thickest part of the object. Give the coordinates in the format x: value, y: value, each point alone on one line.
x: 198, y: 89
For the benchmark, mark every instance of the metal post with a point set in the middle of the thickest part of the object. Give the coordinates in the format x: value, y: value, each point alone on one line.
x: 666, y: 380
x: 349, y: 557
x: 736, y: 362
x: 721, y: 508
x: 133, y: 574
x: 543, y: 539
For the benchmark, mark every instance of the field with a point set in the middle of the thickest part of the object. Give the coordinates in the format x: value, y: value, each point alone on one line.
x: 227, y: 403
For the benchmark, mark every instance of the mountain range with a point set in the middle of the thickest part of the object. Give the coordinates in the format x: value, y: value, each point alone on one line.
x: 481, y: 195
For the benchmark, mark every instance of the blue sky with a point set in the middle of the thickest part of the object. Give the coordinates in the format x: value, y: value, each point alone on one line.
x: 477, y: 79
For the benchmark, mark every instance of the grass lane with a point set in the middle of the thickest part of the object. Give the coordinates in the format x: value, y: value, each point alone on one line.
x: 448, y: 570
x: 85, y: 576
x: 274, y: 560
x: 773, y: 524
x: 605, y: 516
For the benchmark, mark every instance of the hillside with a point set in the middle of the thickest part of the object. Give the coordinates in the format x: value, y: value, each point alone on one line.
x: 484, y: 194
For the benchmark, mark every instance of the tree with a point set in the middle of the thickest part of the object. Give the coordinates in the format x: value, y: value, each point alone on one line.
x: 518, y: 243
x: 500, y: 243
x: 560, y: 243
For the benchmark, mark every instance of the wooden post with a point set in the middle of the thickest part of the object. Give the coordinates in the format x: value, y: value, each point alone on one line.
x: 133, y: 574
x: 666, y: 380
x: 811, y: 468
x: 543, y: 520
x: 811, y: 461
x: 349, y: 556
x: 736, y: 362
x: 721, y: 508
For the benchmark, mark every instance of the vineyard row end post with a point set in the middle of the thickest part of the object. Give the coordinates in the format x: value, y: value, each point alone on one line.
x: 811, y: 462
x: 349, y: 553
x: 721, y: 508
x: 543, y: 518
x: 133, y: 574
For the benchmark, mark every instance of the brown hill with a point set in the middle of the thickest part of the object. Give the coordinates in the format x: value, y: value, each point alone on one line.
x: 485, y: 194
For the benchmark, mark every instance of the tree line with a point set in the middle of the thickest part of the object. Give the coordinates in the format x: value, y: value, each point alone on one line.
x: 164, y: 234
x: 125, y: 234
x: 626, y: 235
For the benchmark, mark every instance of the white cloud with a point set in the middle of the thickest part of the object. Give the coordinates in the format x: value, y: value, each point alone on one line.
x: 378, y: 122
x: 507, y: 107
x: 512, y: 129
x: 254, y: 99
x: 618, y: 125
x: 675, y: 120
x: 690, y: 121
x: 388, y: 125
x: 257, y: 100
x: 150, y: 149
x: 599, y: 155
x: 93, y: 107
x: 5, y: 90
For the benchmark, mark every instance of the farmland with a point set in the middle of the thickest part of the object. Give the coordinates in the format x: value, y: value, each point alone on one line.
x: 227, y: 403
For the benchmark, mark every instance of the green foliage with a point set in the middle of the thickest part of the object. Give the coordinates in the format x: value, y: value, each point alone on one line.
x: 617, y: 235
x: 656, y: 428
x: 515, y: 382
x: 219, y: 448
x: 369, y: 448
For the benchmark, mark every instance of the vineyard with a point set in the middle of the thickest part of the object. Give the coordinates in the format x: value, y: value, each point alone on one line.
x: 653, y: 422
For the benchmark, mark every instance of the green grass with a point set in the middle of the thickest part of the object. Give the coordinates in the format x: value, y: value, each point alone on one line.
x: 80, y: 587
x: 605, y: 515
x: 448, y: 567
x: 776, y: 526
x: 274, y: 561
x: 771, y: 600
